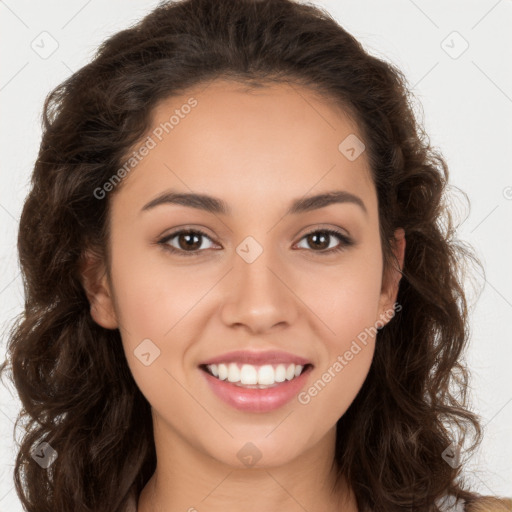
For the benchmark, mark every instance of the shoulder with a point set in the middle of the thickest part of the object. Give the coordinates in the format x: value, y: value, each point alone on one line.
x: 489, y: 504
x: 475, y: 504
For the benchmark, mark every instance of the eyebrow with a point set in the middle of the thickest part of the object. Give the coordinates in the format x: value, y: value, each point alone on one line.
x: 218, y: 206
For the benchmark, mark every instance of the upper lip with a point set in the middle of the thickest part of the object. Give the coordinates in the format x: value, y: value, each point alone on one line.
x: 257, y: 358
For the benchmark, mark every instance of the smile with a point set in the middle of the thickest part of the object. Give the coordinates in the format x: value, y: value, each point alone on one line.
x: 247, y: 392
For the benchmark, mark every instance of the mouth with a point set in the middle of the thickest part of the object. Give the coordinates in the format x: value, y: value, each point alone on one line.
x: 255, y: 376
x: 256, y: 389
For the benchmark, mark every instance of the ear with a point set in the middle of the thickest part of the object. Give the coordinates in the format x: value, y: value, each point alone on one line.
x: 391, y: 280
x: 94, y: 279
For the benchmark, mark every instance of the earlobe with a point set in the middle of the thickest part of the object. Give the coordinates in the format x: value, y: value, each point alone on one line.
x: 97, y: 288
x: 391, y: 281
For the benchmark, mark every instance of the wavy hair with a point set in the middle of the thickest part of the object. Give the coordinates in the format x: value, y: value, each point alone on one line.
x: 72, y: 377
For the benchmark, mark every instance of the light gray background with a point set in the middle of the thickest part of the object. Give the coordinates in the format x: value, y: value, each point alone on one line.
x: 467, y: 107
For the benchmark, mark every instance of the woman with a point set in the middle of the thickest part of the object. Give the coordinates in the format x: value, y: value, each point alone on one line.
x: 308, y: 356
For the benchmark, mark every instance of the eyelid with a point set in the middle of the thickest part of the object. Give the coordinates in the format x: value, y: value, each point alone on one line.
x: 312, y: 228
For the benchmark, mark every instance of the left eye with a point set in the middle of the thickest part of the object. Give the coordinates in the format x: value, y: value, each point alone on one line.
x: 189, y: 241
x: 319, y: 236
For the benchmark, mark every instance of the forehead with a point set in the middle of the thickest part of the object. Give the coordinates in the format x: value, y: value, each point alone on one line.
x: 253, y: 145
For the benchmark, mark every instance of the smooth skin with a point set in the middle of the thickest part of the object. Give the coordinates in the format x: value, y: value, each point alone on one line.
x: 257, y: 151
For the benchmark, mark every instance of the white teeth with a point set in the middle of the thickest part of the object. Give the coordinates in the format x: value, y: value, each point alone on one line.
x: 248, y: 374
x: 266, y: 375
x: 280, y: 373
x: 233, y: 373
x: 223, y: 372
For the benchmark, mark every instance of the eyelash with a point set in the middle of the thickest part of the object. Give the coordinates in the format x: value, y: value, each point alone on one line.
x: 343, y: 239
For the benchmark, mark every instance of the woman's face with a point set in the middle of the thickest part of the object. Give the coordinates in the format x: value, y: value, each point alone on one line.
x: 261, y: 278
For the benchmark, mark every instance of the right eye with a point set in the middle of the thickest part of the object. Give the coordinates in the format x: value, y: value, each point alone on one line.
x: 189, y: 242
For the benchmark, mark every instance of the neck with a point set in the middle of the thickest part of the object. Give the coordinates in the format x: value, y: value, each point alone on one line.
x: 186, y: 479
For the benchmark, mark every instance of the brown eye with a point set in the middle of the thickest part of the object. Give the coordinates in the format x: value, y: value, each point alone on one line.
x: 320, y: 239
x: 189, y: 242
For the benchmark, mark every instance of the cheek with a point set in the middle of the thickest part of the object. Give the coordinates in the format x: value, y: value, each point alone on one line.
x: 349, y: 311
x: 346, y: 300
x: 160, y: 309
x: 346, y: 296
x: 152, y: 296
x: 154, y: 307
x: 336, y: 385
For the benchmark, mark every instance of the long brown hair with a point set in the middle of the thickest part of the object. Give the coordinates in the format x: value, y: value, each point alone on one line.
x: 77, y: 392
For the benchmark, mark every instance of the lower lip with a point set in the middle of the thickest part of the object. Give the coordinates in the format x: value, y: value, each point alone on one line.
x: 257, y: 400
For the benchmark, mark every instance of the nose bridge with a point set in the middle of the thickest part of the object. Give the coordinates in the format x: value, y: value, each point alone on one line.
x: 257, y: 295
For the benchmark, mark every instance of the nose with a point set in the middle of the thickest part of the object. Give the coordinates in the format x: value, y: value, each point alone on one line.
x: 259, y: 295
